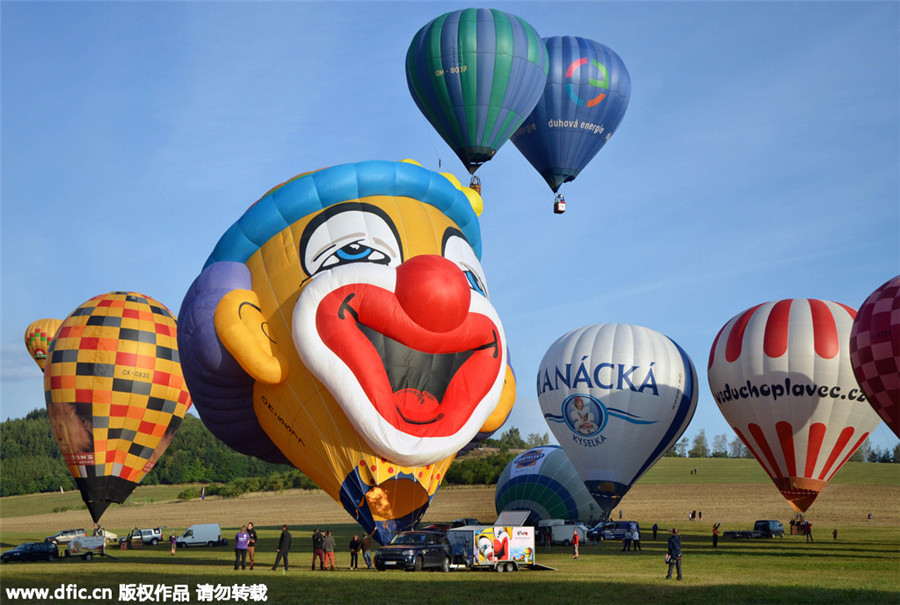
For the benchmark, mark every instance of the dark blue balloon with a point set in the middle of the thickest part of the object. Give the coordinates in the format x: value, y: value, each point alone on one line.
x: 584, y: 100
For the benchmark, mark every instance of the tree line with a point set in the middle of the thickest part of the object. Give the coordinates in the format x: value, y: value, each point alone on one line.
x: 722, y: 447
x: 31, y: 462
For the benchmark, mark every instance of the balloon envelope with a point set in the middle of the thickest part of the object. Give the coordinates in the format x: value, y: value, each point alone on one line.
x: 475, y: 74
x: 875, y: 351
x: 781, y: 375
x: 38, y: 336
x: 544, y: 481
x: 617, y: 397
x: 343, y: 323
x: 584, y: 100
x: 115, y: 393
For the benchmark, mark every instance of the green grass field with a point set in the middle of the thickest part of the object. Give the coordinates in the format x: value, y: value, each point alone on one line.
x: 862, y: 566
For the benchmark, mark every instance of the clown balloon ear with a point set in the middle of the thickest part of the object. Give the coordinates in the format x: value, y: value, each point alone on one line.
x: 242, y: 329
x: 220, y: 388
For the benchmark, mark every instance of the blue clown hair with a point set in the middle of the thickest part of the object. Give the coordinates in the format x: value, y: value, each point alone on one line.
x: 313, y: 191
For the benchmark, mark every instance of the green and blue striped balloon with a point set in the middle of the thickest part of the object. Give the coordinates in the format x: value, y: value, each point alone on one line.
x: 476, y: 74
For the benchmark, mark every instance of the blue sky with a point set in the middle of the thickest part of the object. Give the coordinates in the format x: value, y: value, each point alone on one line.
x: 758, y: 159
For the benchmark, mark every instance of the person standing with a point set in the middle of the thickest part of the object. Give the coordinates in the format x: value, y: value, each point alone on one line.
x: 318, y: 553
x: 626, y: 541
x: 174, y: 542
x: 284, y: 546
x: 241, y: 541
x: 328, y: 547
x: 834, y: 533
x: 354, y: 553
x: 575, y: 543
x: 636, y: 538
x: 366, y: 546
x: 251, y: 546
x: 716, y: 535
x: 674, y: 552
x: 809, y: 537
x: 655, y: 529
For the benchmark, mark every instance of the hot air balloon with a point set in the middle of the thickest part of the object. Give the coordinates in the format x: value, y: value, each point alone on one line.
x: 617, y: 397
x: 115, y: 393
x: 343, y: 324
x: 476, y: 74
x: 875, y: 351
x: 38, y: 337
x: 543, y: 480
x: 781, y: 375
x: 584, y: 101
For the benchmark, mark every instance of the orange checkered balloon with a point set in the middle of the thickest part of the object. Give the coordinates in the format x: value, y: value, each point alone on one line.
x: 115, y: 393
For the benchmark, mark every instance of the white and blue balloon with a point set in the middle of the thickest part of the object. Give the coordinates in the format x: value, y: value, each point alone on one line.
x: 617, y: 397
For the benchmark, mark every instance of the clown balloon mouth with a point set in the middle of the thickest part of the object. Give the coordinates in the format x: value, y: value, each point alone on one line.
x: 418, y: 380
x: 423, y: 383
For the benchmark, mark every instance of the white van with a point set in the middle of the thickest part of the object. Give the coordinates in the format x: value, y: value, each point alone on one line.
x: 202, y: 534
x: 561, y: 531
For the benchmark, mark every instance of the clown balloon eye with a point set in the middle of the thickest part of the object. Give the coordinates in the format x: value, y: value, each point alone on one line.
x: 458, y: 250
x: 355, y: 252
x: 349, y: 233
x: 475, y: 283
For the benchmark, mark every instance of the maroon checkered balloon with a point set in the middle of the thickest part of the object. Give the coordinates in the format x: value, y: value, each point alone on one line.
x: 875, y: 351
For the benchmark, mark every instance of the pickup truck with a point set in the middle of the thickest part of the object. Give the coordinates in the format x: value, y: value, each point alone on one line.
x: 766, y: 528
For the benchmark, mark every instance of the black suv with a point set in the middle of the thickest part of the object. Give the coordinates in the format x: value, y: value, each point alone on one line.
x: 32, y: 551
x: 415, y: 550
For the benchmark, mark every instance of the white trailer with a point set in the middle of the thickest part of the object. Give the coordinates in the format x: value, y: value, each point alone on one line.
x: 86, y: 547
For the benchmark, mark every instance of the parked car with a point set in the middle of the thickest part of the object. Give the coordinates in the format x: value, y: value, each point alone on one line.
x: 611, y: 530
x: 415, y: 550
x: 65, y: 536
x: 151, y: 536
x: 108, y: 535
x: 442, y: 527
x: 32, y: 551
x: 764, y: 528
x: 464, y: 522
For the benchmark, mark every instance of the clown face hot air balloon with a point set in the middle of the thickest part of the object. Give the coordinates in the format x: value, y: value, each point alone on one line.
x: 475, y: 74
x: 617, y: 397
x: 584, y: 101
x: 115, y: 393
x: 781, y: 375
x: 343, y: 324
x: 38, y: 337
x: 544, y: 481
x: 875, y: 351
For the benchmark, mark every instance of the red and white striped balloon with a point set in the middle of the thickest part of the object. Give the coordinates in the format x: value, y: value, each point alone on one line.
x: 875, y: 351
x: 781, y: 375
